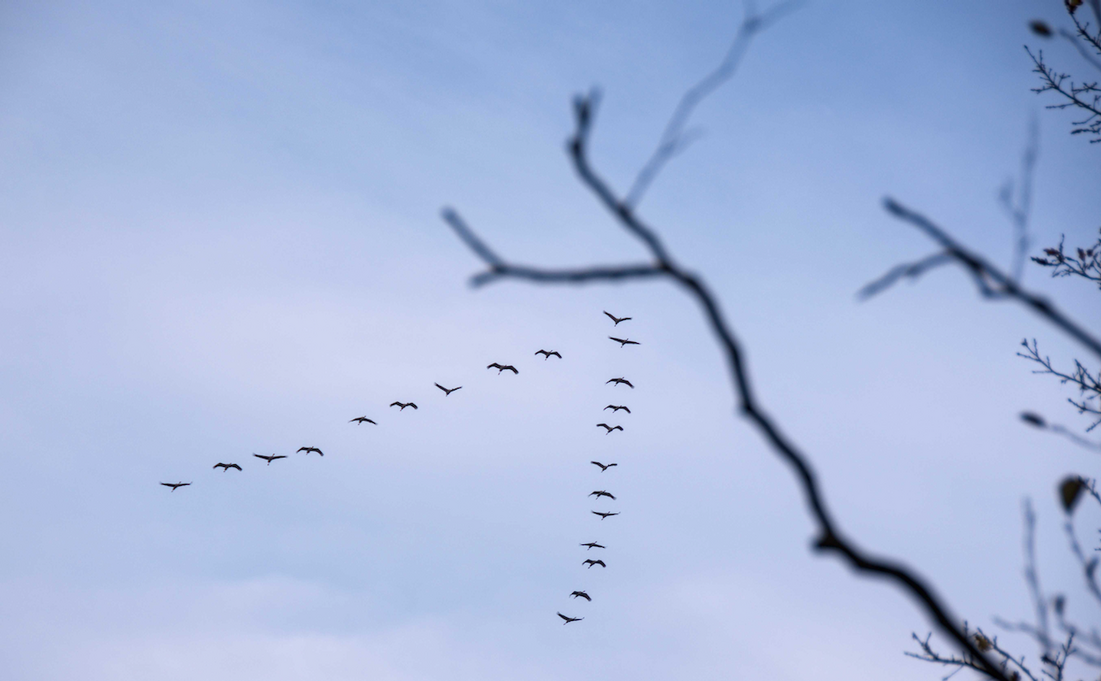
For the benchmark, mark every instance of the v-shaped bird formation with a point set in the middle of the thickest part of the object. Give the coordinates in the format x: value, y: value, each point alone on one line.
x: 501, y: 368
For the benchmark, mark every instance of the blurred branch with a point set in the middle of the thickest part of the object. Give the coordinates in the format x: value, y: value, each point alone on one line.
x: 674, y: 139
x: 992, y: 282
x: 1017, y: 199
x: 830, y: 537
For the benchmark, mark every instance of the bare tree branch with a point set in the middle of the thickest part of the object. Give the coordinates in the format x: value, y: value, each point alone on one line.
x: 830, y: 537
x: 1016, y: 199
x: 674, y: 139
x: 1089, y: 386
x: 992, y: 282
x: 909, y: 270
x: 982, y: 642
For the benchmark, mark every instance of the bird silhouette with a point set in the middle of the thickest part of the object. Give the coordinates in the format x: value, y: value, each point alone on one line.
x: 361, y: 420
x: 609, y: 428
x: 403, y: 405
x: 624, y: 341
x: 616, y: 408
x: 570, y: 619
x: 581, y: 594
x: 310, y: 449
x: 271, y: 458
x: 616, y: 319
x: 548, y: 354
x: 447, y: 391
x: 603, y: 467
x: 174, y: 485
x: 502, y: 367
x: 590, y: 562
x: 603, y: 515
x: 617, y: 381
x: 601, y: 493
x: 593, y: 545
x: 226, y: 466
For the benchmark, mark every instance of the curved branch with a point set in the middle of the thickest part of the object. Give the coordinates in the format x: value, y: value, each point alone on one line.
x: 991, y: 281
x: 830, y: 537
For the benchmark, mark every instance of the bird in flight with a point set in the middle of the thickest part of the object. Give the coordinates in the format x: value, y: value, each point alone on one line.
x: 616, y: 408
x: 603, y: 515
x: 581, y: 594
x: 603, y: 467
x: 403, y: 405
x: 570, y: 619
x: 601, y: 493
x: 616, y: 319
x: 271, y: 458
x: 548, y: 354
x: 609, y: 428
x: 310, y: 449
x: 590, y: 562
x: 617, y: 381
x: 593, y: 545
x: 174, y: 485
x: 502, y: 367
x: 447, y: 391
x: 624, y: 341
x: 361, y: 420
x: 226, y: 466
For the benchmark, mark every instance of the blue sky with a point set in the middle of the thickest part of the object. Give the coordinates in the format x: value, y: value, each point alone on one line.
x: 221, y: 236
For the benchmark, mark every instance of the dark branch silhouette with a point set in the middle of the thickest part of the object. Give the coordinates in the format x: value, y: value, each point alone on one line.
x: 991, y: 281
x: 830, y: 536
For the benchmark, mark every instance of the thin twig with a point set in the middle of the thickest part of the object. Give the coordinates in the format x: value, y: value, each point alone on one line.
x: 673, y: 139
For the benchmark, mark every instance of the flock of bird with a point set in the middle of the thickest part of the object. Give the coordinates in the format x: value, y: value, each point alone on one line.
x: 589, y: 563
x: 501, y: 368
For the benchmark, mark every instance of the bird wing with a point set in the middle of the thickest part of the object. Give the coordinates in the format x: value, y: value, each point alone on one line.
x: 564, y: 617
x: 512, y: 369
x: 631, y: 342
x: 371, y: 422
x: 233, y: 465
x: 611, y: 496
x: 412, y: 405
x: 603, y: 424
x: 168, y: 484
x: 556, y: 354
x: 611, y: 464
x: 601, y: 563
x: 218, y: 464
x: 610, y: 315
x: 618, y: 428
x: 319, y: 451
x: 261, y: 456
x: 626, y: 409
x: 597, y: 463
x: 395, y: 404
x: 618, y: 340
x: 283, y: 456
x: 495, y: 365
x: 307, y: 449
x: 629, y: 384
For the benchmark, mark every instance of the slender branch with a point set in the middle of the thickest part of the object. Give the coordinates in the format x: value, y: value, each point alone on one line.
x: 983, y: 643
x: 1089, y: 386
x: 909, y: 270
x: 673, y: 139
x: 992, y: 282
x: 1089, y: 566
x: 1017, y: 200
x: 1032, y: 578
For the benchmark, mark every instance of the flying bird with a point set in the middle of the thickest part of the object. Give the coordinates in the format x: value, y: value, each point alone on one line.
x: 271, y: 458
x: 624, y: 341
x: 609, y: 428
x: 447, y: 391
x: 310, y: 449
x: 174, y: 485
x: 590, y: 562
x: 617, y: 381
x: 581, y: 594
x: 502, y: 367
x: 593, y: 545
x: 548, y: 354
x: 616, y: 408
x: 601, y: 493
x: 570, y: 619
x: 226, y: 466
x: 403, y: 405
x: 616, y: 319
x: 361, y: 420
x: 603, y: 467
x: 603, y: 515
